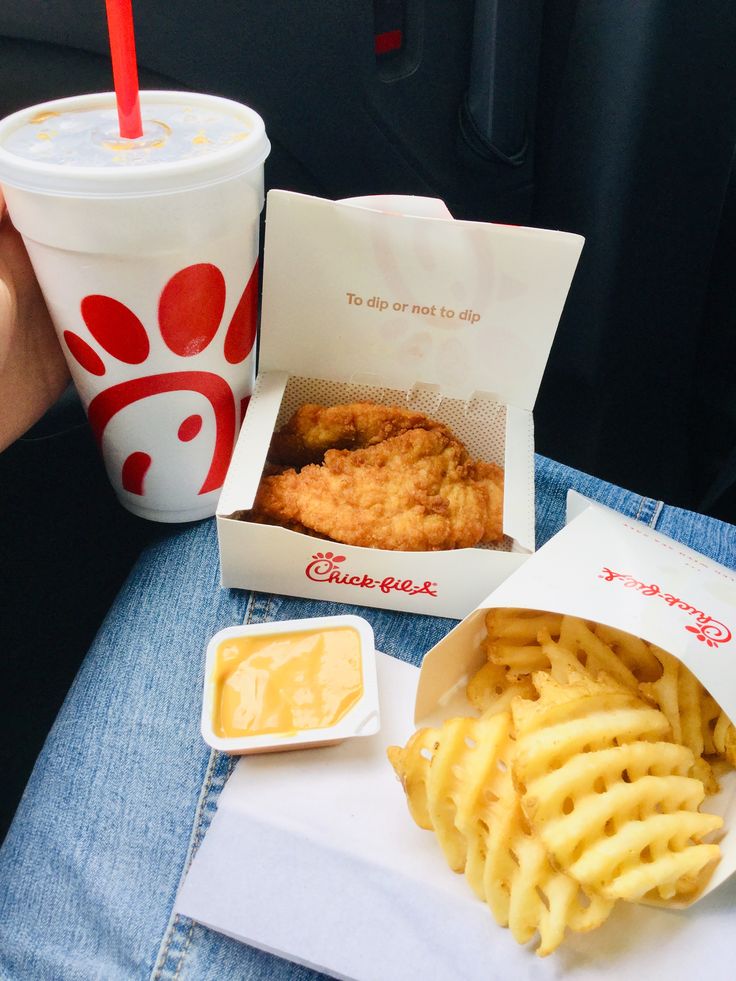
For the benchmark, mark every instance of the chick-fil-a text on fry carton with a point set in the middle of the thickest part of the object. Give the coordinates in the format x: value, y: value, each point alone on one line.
x: 619, y: 572
x: 390, y: 300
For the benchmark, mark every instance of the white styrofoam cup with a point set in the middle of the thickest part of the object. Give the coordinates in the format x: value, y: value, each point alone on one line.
x: 150, y: 273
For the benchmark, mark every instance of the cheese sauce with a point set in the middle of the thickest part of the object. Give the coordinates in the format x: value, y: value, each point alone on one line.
x: 286, y: 683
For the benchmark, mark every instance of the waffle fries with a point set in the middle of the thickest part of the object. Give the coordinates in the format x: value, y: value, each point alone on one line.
x: 562, y: 644
x: 581, y: 782
x: 611, y: 801
x: 458, y: 781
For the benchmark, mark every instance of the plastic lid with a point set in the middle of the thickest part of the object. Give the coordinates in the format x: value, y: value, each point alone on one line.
x: 211, y: 166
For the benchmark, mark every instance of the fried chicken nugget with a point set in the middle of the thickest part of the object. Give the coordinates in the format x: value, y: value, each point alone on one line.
x: 418, y: 491
x: 491, y: 476
x: 314, y: 429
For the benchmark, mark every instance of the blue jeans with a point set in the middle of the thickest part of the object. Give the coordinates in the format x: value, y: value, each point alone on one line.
x: 124, y: 790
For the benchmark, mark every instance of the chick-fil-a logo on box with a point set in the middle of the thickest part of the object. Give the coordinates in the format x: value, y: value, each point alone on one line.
x: 706, y: 629
x: 325, y: 567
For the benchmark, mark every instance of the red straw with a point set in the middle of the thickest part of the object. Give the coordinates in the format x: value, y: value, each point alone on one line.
x: 124, y: 68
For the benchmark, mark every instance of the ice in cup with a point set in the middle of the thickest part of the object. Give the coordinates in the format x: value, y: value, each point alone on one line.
x: 147, y: 254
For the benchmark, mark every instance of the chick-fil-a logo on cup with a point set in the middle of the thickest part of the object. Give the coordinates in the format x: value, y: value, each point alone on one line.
x: 325, y: 567
x: 706, y: 629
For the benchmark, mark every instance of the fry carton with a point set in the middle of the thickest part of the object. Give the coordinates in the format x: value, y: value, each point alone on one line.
x: 389, y: 300
x: 615, y: 572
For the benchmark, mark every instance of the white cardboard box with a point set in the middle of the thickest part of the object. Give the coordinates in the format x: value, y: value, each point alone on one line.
x: 452, y: 318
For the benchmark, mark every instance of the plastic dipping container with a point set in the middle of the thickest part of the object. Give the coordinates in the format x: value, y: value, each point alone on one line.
x: 290, y: 685
x: 147, y: 254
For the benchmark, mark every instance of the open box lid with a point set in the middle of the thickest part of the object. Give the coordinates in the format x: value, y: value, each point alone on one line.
x: 354, y: 293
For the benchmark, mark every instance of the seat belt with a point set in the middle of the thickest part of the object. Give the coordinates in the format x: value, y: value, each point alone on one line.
x: 497, y: 115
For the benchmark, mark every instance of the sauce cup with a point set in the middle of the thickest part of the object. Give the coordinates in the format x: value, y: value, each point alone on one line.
x: 293, y: 684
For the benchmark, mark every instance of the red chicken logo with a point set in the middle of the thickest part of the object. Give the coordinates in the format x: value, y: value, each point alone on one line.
x: 190, y: 311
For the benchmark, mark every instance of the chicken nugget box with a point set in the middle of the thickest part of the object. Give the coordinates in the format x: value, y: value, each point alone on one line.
x: 391, y: 301
x: 617, y: 572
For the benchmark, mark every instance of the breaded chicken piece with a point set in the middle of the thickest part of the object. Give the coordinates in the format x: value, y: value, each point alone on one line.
x: 492, y: 476
x: 314, y: 429
x: 418, y: 491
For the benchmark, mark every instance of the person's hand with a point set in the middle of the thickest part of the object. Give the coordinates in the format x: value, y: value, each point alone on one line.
x: 33, y: 373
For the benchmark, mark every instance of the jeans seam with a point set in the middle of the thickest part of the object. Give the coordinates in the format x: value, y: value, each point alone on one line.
x: 184, y: 949
x: 176, y: 925
x: 649, y: 511
x: 183, y: 927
